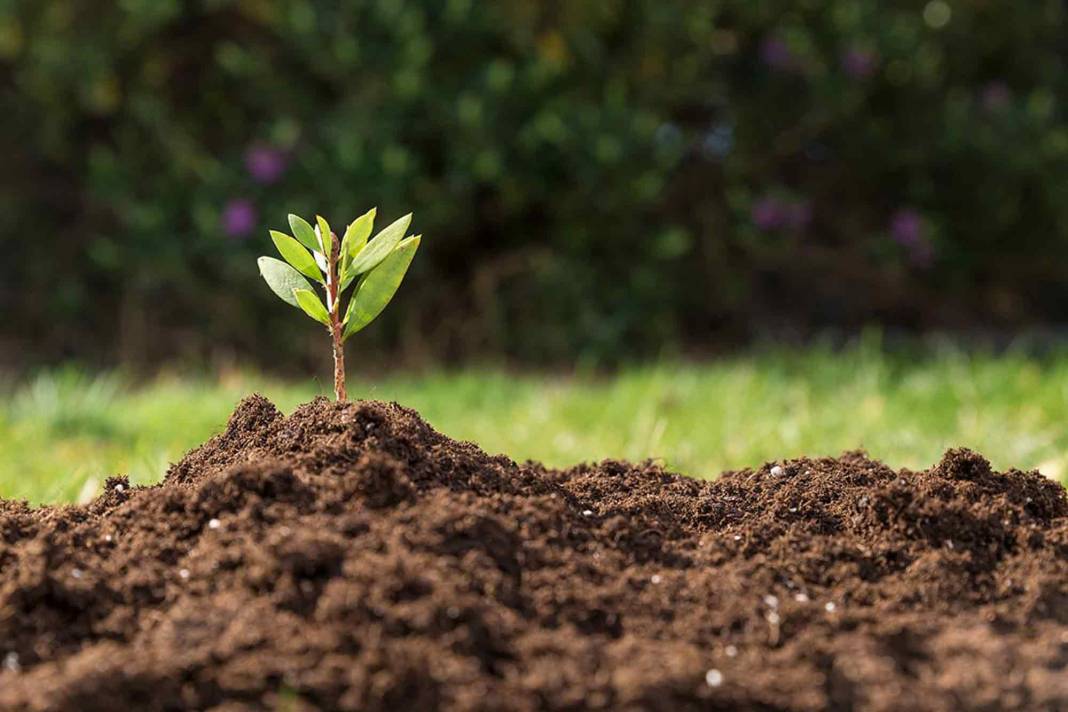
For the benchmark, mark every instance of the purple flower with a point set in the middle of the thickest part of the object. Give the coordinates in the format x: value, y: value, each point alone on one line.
x: 906, y: 227
x: 995, y: 96
x: 776, y: 54
x: 265, y: 164
x: 768, y: 214
x: 859, y: 63
x: 239, y: 217
x: 907, y: 230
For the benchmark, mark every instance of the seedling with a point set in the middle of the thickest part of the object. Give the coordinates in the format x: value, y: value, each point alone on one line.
x: 375, y: 266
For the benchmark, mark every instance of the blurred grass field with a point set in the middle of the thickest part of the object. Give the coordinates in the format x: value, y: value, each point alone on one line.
x: 62, y: 432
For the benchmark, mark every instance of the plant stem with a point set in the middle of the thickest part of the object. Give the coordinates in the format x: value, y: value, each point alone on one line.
x: 334, y: 306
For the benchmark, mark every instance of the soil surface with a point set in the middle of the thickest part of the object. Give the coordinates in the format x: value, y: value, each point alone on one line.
x: 350, y: 557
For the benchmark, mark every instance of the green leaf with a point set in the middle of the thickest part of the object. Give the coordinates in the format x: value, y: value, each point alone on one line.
x: 311, y: 305
x: 304, y: 232
x: 357, y: 233
x: 295, y: 254
x: 325, y: 236
x: 354, y: 240
x: 377, y: 249
x: 347, y: 275
x: 378, y: 287
x: 282, y: 279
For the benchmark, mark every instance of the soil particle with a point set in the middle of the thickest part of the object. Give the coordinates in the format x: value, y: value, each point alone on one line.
x: 349, y: 557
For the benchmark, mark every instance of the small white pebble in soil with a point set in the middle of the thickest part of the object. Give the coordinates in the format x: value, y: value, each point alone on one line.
x: 901, y: 481
x: 11, y: 662
x: 731, y: 651
x: 793, y: 510
x: 107, y: 538
x: 949, y: 543
x: 76, y: 573
x: 655, y: 578
x: 801, y: 598
x: 773, y: 618
x: 771, y: 601
x: 829, y: 606
x: 713, y: 678
x: 587, y: 512
x: 737, y: 537
x: 183, y: 573
x: 777, y: 471
x: 213, y: 524
x: 120, y: 487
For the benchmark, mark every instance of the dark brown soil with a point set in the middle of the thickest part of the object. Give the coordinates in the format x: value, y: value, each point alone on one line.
x: 350, y: 557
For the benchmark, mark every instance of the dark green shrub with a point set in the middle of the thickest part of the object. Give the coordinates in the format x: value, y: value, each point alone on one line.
x: 600, y: 177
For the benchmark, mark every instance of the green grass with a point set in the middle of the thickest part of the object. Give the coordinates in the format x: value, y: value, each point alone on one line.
x: 62, y: 432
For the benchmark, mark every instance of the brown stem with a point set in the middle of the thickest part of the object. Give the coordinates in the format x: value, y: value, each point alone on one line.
x: 335, y: 321
x: 339, y: 360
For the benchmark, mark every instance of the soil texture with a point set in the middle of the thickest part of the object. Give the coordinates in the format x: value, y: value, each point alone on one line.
x: 349, y: 557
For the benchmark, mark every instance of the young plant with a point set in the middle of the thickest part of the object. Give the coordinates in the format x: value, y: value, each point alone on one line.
x: 375, y: 266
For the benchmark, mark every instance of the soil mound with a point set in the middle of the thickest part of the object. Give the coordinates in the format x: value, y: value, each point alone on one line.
x: 350, y: 557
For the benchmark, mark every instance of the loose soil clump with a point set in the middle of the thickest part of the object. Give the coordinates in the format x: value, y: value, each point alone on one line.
x: 350, y: 557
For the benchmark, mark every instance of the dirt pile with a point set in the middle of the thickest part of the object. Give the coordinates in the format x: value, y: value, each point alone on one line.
x: 350, y: 557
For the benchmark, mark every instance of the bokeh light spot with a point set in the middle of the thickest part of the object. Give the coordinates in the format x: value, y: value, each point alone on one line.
x: 937, y: 14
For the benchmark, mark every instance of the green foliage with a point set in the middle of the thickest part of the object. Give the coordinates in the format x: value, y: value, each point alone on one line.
x: 601, y: 177
x: 377, y: 249
x: 311, y: 305
x: 304, y: 232
x: 378, y: 285
x: 282, y: 279
x: 296, y: 255
x: 357, y: 233
x: 382, y: 262
x: 325, y: 235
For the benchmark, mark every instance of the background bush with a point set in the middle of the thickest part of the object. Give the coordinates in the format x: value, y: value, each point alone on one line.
x: 595, y: 178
